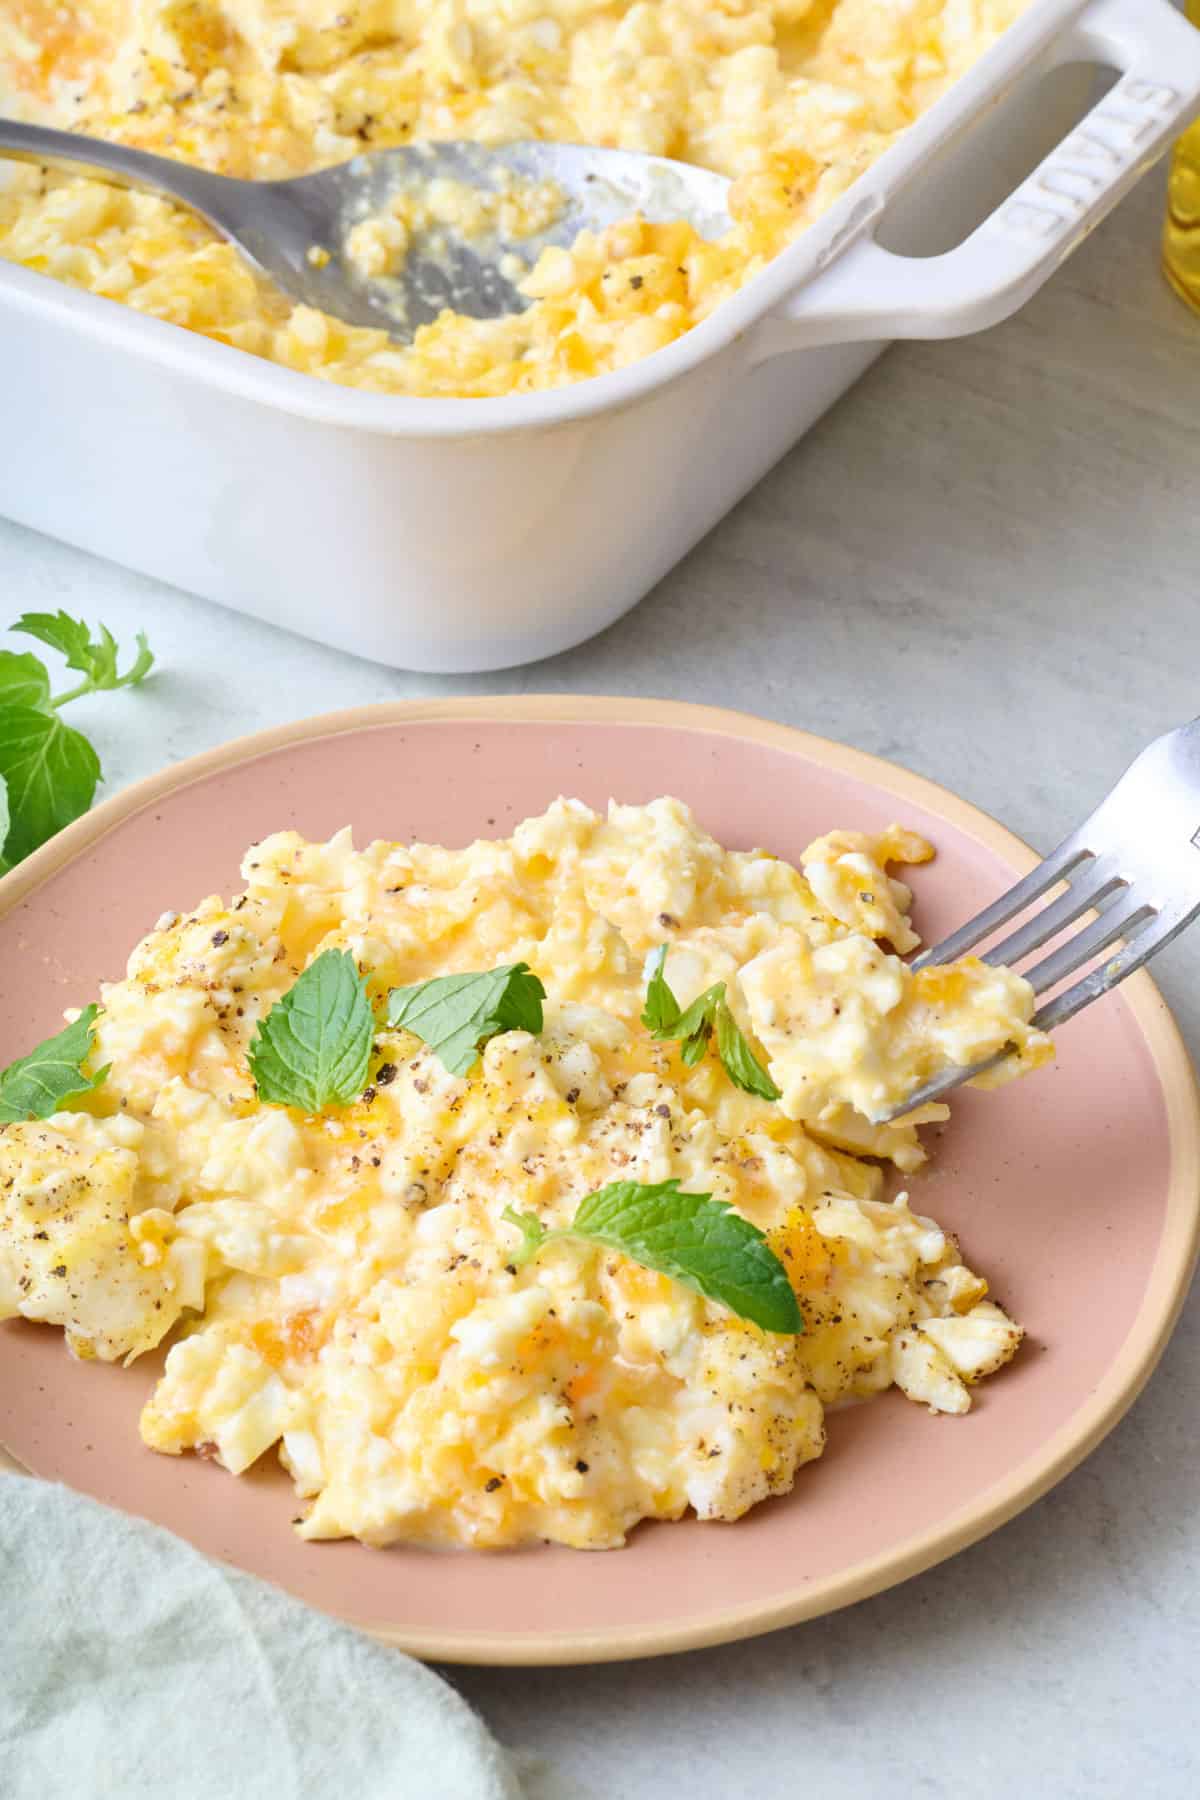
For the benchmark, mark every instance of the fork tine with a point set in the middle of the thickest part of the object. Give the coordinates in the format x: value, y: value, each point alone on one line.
x: 935, y: 1089
x: 1118, y: 922
x: 1145, y: 826
x: 1139, y: 948
x: 1068, y: 856
x: 1093, y: 885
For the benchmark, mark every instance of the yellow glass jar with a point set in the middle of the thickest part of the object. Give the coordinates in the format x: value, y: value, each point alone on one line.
x: 1181, y: 236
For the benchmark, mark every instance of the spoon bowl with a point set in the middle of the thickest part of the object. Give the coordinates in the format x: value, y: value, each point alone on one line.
x: 296, y: 231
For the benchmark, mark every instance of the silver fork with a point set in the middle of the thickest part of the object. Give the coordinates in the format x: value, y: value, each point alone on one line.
x: 1135, y: 862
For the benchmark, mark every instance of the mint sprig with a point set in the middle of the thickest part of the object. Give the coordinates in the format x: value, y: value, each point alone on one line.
x: 457, y: 1014
x: 313, y: 1048
x: 741, y: 1065
x: 696, y: 1240
x: 94, y: 658
x: 694, y: 1028
x: 49, y: 771
x: 23, y: 680
x: 38, y: 1084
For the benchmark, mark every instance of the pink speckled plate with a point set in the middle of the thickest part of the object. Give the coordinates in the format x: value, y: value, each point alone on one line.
x: 1077, y: 1191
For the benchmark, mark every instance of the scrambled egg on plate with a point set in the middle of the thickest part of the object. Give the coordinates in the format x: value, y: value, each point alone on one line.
x: 792, y: 99
x: 343, y: 1285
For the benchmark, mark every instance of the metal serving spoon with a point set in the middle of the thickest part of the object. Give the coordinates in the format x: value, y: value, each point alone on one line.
x: 295, y: 231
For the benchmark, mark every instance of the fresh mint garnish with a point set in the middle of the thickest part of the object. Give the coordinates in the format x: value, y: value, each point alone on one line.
x: 698, y: 1241
x: 49, y: 771
x: 94, y: 658
x: 457, y: 1014
x: 741, y: 1065
x: 23, y: 680
x: 313, y: 1048
x: 37, y: 1085
x: 709, y: 1015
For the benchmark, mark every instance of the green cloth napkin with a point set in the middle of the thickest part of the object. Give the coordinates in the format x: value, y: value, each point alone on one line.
x: 133, y: 1666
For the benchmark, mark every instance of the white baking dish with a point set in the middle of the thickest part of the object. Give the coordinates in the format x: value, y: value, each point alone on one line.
x: 461, y: 535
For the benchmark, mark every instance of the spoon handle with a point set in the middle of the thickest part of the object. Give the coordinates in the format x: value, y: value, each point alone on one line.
x: 204, y: 193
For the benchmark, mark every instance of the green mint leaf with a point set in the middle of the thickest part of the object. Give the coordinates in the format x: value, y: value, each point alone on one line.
x: 695, y: 1027
x: 70, y: 637
x: 660, y: 1015
x: 741, y: 1065
x: 94, y: 658
x: 696, y: 1240
x: 24, y: 681
x: 533, y: 1233
x: 5, y: 821
x: 50, y: 772
x: 141, y: 665
x: 457, y: 1014
x: 37, y: 1085
x: 313, y: 1049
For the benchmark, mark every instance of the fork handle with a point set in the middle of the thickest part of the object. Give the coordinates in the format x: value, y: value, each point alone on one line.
x: 210, y: 195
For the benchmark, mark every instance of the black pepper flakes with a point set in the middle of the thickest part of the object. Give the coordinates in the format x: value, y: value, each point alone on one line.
x: 219, y: 938
x: 581, y: 1467
x: 497, y: 1481
x: 385, y: 1074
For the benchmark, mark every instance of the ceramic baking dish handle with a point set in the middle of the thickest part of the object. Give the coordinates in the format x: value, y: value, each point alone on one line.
x: 867, y: 292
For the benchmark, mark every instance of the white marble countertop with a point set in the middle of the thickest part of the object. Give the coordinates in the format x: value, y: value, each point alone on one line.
x: 986, y: 564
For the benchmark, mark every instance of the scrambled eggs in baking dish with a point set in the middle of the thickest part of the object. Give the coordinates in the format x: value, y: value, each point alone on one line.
x: 792, y: 99
x: 349, y: 1286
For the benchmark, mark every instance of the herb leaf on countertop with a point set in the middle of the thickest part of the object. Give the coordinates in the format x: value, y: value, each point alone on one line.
x: 37, y: 1084
x: 94, y: 658
x: 49, y: 770
x: 696, y: 1240
x: 457, y: 1014
x: 23, y: 681
x: 313, y: 1048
